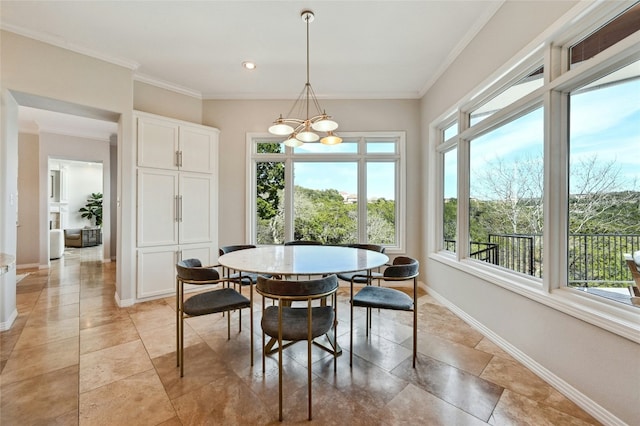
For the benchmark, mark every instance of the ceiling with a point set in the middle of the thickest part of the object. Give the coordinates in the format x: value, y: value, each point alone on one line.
x: 358, y: 49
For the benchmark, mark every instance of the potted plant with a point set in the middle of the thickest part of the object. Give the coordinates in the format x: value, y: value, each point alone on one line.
x: 93, y: 208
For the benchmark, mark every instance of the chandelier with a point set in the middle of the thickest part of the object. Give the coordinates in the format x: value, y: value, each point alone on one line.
x: 298, y: 130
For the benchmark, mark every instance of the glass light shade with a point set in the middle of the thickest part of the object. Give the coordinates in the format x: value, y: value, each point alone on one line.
x: 292, y: 141
x: 307, y: 136
x: 280, y: 129
x: 325, y: 125
x: 331, y: 139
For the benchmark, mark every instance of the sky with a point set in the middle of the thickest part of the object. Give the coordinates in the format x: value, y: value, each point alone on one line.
x: 343, y: 176
x: 604, y: 122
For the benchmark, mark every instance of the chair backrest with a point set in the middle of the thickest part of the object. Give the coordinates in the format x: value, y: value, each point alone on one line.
x: 191, y: 271
x: 372, y: 247
x: 403, y: 268
x: 303, y: 243
x: 297, y: 290
x: 229, y: 249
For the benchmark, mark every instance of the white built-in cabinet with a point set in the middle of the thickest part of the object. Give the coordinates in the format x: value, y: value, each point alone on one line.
x: 177, y: 195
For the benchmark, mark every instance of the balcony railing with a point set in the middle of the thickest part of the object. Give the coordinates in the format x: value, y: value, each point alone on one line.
x: 593, y: 259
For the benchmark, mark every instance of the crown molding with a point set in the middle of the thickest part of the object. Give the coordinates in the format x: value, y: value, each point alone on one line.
x: 457, y: 50
x: 144, y: 78
x: 59, y: 42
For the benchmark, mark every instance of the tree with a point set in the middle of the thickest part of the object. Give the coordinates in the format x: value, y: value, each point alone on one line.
x: 516, y: 189
x: 598, y: 203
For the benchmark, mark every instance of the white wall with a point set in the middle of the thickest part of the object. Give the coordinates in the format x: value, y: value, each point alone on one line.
x: 595, y: 367
x: 235, y: 118
x: 8, y: 204
x: 51, y: 73
x: 28, y: 189
x: 82, y: 179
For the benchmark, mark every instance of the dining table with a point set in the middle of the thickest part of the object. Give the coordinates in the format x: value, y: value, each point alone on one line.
x: 303, y: 260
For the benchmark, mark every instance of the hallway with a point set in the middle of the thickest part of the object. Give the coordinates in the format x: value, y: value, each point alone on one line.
x: 73, y: 357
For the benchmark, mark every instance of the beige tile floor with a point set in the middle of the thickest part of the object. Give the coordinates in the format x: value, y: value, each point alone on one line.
x: 74, y: 357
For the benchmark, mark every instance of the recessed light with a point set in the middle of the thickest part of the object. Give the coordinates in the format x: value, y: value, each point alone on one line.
x: 249, y: 65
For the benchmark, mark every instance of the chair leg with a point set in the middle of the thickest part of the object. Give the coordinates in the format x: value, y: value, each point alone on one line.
x: 309, y: 374
x: 351, y: 327
x: 251, y: 319
x: 280, y: 362
x: 335, y: 332
x: 415, y: 320
x: 309, y: 339
x: 177, y: 323
x: 263, y: 340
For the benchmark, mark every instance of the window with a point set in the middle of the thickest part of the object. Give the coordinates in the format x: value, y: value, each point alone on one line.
x: 541, y: 191
x: 450, y: 131
x: 512, y: 93
x: 450, y: 202
x: 341, y: 194
x: 604, y: 182
x: 505, y: 197
x: 618, y: 29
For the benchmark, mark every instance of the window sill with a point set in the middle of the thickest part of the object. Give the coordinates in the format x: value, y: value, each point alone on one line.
x: 623, y: 320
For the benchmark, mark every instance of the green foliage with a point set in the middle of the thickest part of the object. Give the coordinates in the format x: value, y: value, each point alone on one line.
x: 93, y: 208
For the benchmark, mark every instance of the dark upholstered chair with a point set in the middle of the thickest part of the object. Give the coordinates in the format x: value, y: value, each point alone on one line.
x: 302, y: 243
x: 370, y: 296
x: 292, y: 324
x: 225, y: 299
x: 247, y: 277
x: 361, y: 277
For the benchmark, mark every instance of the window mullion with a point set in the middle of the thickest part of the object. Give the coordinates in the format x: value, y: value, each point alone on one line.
x: 462, y: 251
x: 288, y: 200
x: 362, y: 200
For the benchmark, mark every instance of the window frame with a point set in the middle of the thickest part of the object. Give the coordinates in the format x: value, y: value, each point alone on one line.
x: 361, y: 158
x: 552, y: 49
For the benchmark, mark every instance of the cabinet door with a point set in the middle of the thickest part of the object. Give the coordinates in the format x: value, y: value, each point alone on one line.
x: 157, y: 143
x: 198, y: 149
x: 198, y: 214
x: 156, y: 271
x: 157, y: 207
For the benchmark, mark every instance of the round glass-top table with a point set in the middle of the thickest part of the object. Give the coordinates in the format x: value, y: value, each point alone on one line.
x: 302, y: 260
x: 279, y: 260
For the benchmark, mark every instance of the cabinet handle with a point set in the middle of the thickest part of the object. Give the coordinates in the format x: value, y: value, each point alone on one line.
x: 177, y: 206
x: 177, y: 158
x: 180, y: 198
x: 180, y: 157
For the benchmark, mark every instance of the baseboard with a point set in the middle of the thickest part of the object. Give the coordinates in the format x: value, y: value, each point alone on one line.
x: 6, y: 325
x: 580, y: 399
x: 123, y: 303
x: 28, y: 266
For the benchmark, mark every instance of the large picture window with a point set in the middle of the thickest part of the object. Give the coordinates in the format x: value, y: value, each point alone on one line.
x: 547, y: 171
x: 604, y: 182
x: 505, y: 196
x: 348, y: 193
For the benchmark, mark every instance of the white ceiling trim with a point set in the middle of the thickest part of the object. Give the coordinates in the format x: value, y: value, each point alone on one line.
x: 470, y: 35
x: 59, y: 42
x: 143, y: 78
